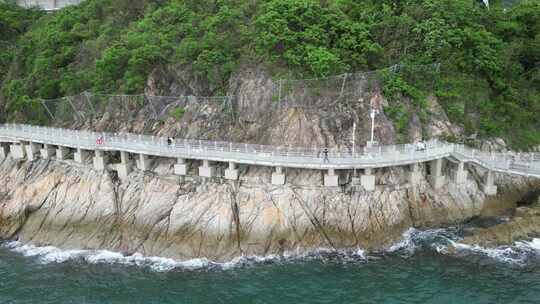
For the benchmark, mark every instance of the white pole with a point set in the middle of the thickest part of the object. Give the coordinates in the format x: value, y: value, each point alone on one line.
x: 353, y: 137
x: 372, y: 124
x: 354, y: 144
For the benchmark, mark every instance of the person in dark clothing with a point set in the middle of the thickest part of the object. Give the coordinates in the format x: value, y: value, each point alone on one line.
x: 325, y: 153
x: 169, y: 141
x: 420, y: 146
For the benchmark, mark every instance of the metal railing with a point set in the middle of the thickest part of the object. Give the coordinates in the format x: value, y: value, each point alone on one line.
x: 47, y: 5
x: 527, y: 164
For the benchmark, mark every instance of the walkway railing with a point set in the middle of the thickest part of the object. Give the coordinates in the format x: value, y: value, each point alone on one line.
x: 47, y: 5
x: 527, y: 164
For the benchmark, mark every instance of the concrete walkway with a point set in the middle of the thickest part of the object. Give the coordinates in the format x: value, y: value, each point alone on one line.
x: 29, y: 140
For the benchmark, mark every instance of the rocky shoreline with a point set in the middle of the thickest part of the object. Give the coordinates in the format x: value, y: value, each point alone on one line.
x: 72, y: 206
x: 515, y: 224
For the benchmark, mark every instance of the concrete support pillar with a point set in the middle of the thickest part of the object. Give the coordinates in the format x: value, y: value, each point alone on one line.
x: 278, y: 177
x: 232, y: 172
x: 61, y: 153
x: 331, y: 179
x: 206, y: 170
x: 181, y: 168
x: 32, y: 149
x: 460, y: 175
x: 124, y: 157
x: 4, y: 151
x: 100, y: 160
x: 81, y: 156
x: 143, y: 162
x: 367, y: 180
x: 436, y: 178
x: 415, y: 175
x: 125, y: 167
x: 489, y: 187
x: 355, y: 180
x: 17, y: 151
x: 47, y: 152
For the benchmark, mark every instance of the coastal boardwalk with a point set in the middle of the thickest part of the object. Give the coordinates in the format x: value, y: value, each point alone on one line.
x: 31, y: 142
x: 47, y: 5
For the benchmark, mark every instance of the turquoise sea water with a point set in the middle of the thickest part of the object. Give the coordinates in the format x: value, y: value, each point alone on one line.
x: 424, y: 274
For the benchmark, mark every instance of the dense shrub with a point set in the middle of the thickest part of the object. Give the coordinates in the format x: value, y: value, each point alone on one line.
x: 489, y: 80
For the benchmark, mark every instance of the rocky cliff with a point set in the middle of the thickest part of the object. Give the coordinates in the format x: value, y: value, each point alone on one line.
x: 157, y: 213
x: 72, y: 206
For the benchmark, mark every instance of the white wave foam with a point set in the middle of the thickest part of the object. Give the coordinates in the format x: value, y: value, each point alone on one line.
x: 442, y: 241
x: 517, y: 254
x: 361, y: 253
x: 413, y: 239
x: 406, y: 242
x: 346, y: 255
x: 50, y: 254
x: 534, y: 244
x: 248, y: 260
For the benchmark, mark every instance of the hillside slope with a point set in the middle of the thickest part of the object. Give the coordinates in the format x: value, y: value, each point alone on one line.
x: 488, y: 61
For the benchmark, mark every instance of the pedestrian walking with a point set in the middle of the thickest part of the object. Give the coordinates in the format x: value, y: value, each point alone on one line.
x: 421, y: 146
x: 325, y: 154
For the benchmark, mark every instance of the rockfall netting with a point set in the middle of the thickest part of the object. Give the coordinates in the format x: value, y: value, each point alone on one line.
x: 332, y: 92
x: 85, y: 107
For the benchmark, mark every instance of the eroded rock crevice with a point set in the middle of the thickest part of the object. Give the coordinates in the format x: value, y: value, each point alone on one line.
x: 71, y: 206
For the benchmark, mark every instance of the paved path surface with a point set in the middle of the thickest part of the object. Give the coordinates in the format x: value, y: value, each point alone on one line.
x: 48, y: 5
x: 525, y: 164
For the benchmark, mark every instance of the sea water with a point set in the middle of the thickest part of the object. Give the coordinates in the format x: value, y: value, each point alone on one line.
x: 425, y: 267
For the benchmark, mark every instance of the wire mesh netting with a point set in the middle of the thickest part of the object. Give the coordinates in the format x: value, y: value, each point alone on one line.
x: 163, y: 106
x: 73, y: 110
x: 124, y: 107
x: 345, y: 88
x: 324, y: 92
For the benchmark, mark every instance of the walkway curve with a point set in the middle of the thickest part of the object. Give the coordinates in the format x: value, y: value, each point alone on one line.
x: 524, y: 164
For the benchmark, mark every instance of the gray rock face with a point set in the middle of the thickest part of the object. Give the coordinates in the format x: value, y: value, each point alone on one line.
x: 156, y: 213
x: 253, y: 88
x: 176, y: 81
x: 71, y: 206
x: 439, y: 124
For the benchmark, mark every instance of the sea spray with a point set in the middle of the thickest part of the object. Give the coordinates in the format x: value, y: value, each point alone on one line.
x: 437, y: 241
x: 414, y: 239
x: 447, y: 242
x: 50, y: 254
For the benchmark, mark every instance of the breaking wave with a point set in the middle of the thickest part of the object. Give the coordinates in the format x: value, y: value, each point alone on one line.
x: 437, y: 241
x: 51, y: 254
x: 447, y: 242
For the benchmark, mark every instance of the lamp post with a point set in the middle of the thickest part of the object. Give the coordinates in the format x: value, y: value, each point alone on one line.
x: 372, y: 114
x: 353, y: 137
x: 355, y: 180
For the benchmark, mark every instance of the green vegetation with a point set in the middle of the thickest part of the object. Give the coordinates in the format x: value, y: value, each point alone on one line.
x: 400, y: 116
x: 177, y: 113
x: 489, y: 77
x: 14, y: 22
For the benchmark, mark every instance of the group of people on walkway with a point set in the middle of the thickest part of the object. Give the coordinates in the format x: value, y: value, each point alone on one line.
x: 420, y: 146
